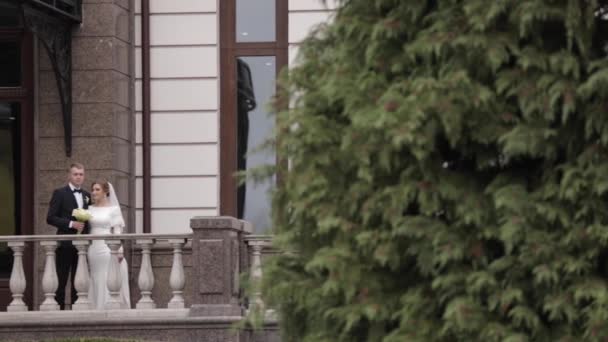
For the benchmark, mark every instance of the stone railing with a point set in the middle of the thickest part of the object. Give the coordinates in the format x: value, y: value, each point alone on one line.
x: 222, y: 249
x: 202, y: 290
x: 49, y: 244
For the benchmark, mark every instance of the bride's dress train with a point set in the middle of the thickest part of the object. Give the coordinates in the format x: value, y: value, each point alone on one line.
x: 105, y: 221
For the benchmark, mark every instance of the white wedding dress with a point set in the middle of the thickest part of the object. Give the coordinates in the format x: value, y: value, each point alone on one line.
x: 105, y: 221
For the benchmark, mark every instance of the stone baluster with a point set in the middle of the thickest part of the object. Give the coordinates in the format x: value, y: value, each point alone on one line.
x: 114, y: 280
x: 146, y: 276
x: 49, y: 277
x: 82, y: 278
x: 17, y: 282
x: 256, y: 275
x: 177, y: 280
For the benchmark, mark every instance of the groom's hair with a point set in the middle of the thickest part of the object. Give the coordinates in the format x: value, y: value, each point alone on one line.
x: 76, y: 166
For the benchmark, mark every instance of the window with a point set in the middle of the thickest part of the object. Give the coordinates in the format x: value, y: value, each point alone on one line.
x: 255, y: 21
x: 16, y: 141
x: 253, y: 38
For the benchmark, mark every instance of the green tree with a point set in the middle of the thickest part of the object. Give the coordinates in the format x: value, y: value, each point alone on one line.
x: 448, y: 174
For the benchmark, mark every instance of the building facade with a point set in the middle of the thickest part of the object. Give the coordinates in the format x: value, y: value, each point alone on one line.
x: 166, y: 99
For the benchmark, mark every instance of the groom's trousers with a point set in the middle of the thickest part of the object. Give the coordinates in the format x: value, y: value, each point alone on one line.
x: 66, y: 260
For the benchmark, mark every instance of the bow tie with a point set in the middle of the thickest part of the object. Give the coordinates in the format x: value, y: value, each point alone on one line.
x: 77, y: 191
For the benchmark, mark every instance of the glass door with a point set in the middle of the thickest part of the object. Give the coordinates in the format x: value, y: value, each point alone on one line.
x: 16, y: 144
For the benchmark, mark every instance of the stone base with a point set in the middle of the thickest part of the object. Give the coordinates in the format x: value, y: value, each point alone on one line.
x: 215, y: 310
x: 16, y: 308
x: 157, y: 325
x: 81, y: 306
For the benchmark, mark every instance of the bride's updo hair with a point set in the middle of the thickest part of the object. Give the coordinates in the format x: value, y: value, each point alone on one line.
x: 105, y: 185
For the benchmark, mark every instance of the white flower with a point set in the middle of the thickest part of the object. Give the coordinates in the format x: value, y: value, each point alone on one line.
x: 81, y: 215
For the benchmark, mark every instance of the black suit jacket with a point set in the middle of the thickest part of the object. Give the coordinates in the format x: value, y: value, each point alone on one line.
x: 62, y: 204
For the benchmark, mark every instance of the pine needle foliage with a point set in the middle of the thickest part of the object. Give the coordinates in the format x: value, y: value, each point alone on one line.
x: 448, y: 174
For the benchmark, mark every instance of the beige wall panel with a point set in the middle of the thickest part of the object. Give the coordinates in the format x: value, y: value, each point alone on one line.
x: 138, y: 96
x: 139, y: 193
x: 139, y: 221
x: 176, y: 220
x: 184, y: 61
x: 138, y: 62
x: 308, y: 5
x: 301, y: 23
x: 184, y: 160
x: 138, y: 160
x: 182, y: 6
x: 137, y: 29
x: 292, y: 53
x: 183, y: 29
x: 138, y: 128
x: 193, y: 192
x: 184, y: 94
x: 185, y: 127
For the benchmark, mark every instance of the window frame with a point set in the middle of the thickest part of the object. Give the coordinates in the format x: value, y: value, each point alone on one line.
x: 230, y: 49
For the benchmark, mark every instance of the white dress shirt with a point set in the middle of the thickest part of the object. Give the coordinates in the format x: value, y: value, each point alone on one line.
x: 78, y: 197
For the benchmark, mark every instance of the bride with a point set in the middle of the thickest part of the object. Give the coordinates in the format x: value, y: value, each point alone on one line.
x: 106, y: 219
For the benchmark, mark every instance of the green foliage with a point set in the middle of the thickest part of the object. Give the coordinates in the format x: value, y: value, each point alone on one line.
x: 448, y: 174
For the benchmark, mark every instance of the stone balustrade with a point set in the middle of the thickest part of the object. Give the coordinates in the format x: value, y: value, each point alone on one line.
x: 50, y: 282
x: 217, y: 252
x: 222, y: 249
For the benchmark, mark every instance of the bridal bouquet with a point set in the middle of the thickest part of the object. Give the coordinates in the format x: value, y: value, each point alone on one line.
x: 81, y: 215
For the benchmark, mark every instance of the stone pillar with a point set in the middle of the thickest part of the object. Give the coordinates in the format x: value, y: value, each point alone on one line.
x: 216, y: 265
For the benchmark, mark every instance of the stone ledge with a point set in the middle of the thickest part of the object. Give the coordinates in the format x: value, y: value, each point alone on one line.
x: 109, y: 317
x: 215, y: 310
x: 159, y: 325
x: 215, y: 222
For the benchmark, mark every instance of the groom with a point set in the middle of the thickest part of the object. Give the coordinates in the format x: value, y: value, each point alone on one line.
x: 63, y: 202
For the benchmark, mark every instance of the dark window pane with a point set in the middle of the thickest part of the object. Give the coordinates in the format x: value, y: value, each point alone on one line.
x: 9, y: 15
x: 255, y: 21
x: 256, y: 87
x: 9, y: 178
x: 10, y: 64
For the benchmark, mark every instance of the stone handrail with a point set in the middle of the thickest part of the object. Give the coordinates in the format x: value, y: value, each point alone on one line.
x: 77, y: 237
x: 49, y: 243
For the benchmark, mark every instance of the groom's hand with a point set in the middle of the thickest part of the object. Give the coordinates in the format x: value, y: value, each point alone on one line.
x: 79, y: 226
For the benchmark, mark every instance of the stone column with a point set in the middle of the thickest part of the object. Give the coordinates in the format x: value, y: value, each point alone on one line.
x: 216, y: 254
